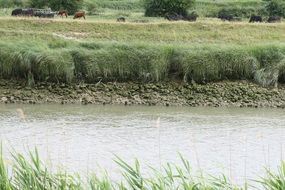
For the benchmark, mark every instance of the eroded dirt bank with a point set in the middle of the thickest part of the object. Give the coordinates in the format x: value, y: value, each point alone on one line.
x: 239, y: 94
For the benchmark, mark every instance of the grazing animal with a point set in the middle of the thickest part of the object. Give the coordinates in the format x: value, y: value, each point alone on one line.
x: 44, y: 14
x: 174, y: 17
x: 121, y: 19
x: 17, y: 12
x: 274, y: 19
x: 38, y: 14
x: 48, y: 15
x: 190, y: 18
x: 255, y: 18
x: 237, y: 19
x: 62, y: 13
x: 226, y: 17
x: 28, y: 12
x: 79, y: 15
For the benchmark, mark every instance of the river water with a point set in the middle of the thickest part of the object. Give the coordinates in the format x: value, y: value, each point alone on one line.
x: 236, y: 142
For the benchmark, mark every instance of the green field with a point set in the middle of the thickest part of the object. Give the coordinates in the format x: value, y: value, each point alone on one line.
x: 207, y: 50
x: 143, y: 49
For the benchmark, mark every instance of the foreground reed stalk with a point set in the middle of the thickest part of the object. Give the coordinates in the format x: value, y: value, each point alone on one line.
x: 30, y: 173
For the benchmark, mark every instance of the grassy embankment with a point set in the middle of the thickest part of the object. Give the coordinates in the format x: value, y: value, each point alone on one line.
x: 31, y: 173
x: 208, y: 50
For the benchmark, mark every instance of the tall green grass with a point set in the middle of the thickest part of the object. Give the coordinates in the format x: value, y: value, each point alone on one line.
x: 274, y: 180
x: 29, y: 172
x: 93, y: 62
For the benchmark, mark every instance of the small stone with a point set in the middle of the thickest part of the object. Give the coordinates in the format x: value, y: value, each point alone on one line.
x: 4, y: 99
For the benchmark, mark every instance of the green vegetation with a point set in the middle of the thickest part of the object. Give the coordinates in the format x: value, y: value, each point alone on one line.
x: 276, y: 7
x: 207, y: 8
x: 167, y: 7
x: 70, y: 5
x: 275, y: 181
x: 31, y: 173
x: 64, y: 51
x: 145, y: 49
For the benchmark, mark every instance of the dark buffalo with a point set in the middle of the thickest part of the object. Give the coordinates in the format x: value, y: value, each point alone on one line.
x: 38, y: 14
x: 174, y: 17
x: 121, y: 19
x: 226, y: 17
x: 45, y: 15
x: 17, y: 12
x: 255, y: 18
x: 62, y: 13
x: 79, y: 15
x: 49, y: 15
x: 28, y: 12
x: 190, y: 18
x: 273, y: 19
x: 237, y: 19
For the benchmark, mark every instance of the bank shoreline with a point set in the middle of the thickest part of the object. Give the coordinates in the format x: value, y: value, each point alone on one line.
x: 219, y: 94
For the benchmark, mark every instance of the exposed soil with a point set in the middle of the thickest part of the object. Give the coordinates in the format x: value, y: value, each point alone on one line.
x: 238, y: 94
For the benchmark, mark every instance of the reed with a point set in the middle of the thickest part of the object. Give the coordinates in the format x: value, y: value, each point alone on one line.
x: 274, y: 181
x: 29, y: 172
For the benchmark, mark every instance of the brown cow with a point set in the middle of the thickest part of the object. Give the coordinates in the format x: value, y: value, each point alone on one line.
x: 62, y: 13
x: 79, y: 15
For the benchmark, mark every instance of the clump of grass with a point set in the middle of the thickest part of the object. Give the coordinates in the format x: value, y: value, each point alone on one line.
x: 5, y: 181
x: 121, y: 63
x: 35, y: 65
x: 97, y: 183
x: 274, y: 181
x: 271, y: 69
x: 172, y: 177
x: 214, y: 64
x: 32, y: 174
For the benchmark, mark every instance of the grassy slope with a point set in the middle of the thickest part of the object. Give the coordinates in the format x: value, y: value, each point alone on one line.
x: 67, y: 50
x: 99, y: 48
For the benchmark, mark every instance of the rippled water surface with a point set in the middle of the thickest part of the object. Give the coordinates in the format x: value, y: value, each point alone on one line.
x: 233, y: 141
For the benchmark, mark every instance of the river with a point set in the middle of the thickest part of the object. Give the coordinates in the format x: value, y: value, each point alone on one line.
x: 232, y: 141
